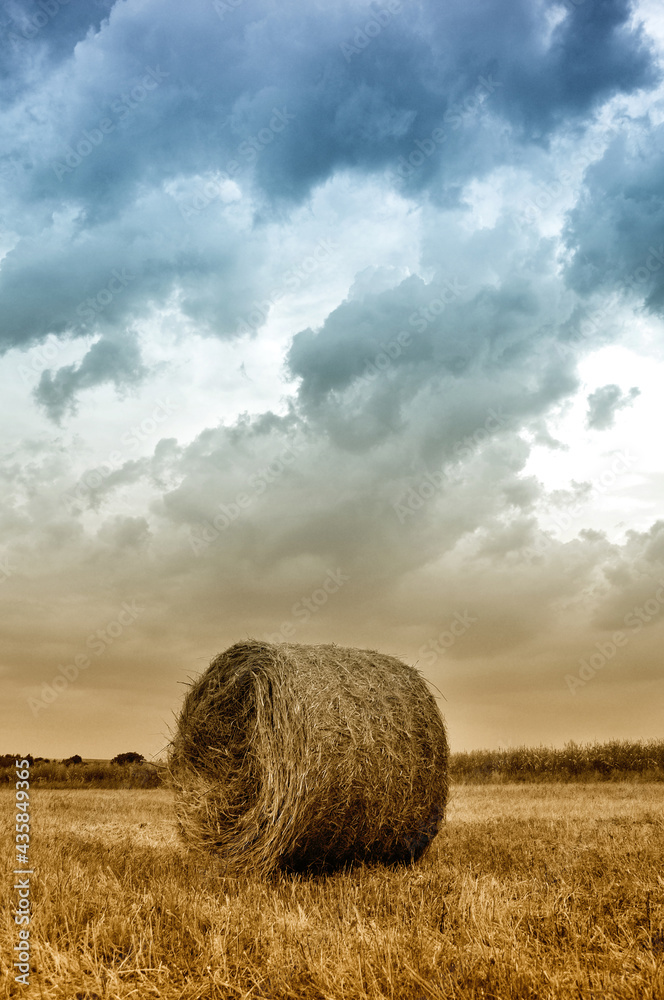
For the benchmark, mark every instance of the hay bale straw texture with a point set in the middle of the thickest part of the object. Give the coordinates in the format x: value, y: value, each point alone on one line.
x: 309, y: 757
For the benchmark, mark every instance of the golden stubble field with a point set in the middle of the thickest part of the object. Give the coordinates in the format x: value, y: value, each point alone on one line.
x: 535, y: 890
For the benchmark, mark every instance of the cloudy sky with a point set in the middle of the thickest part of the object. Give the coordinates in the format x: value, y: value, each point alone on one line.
x: 332, y: 322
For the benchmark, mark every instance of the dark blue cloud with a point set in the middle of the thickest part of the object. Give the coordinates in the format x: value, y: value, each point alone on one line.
x: 441, y: 326
x: 438, y: 357
x: 365, y: 102
x: 616, y: 230
x: 219, y: 80
x: 593, y: 54
x: 117, y: 361
x: 129, y: 110
x: 44, y: 33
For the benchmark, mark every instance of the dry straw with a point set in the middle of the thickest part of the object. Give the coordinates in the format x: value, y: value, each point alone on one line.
x: 295, y: 757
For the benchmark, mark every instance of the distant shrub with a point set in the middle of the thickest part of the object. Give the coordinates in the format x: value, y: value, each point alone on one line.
x: 128, y: 758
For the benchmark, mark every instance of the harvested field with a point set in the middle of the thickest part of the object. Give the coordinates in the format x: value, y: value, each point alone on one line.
x: 547, y: 891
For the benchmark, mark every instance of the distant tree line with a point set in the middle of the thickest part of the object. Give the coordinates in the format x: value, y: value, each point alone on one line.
x: 617, y: 760
x: 125, y: 770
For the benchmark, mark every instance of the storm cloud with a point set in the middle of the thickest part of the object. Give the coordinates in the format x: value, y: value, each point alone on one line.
x: 299, y: 291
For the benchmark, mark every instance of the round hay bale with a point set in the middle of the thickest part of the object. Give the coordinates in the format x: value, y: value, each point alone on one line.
x: 309, y: 757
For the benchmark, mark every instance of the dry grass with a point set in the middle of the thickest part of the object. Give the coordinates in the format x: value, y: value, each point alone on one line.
x: 299, y: 757
x: 546, y: 891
